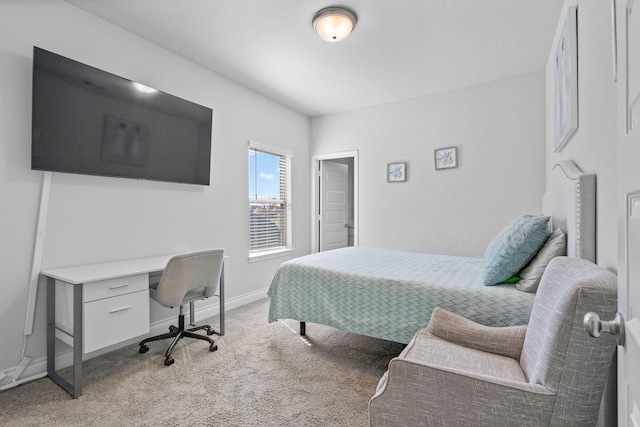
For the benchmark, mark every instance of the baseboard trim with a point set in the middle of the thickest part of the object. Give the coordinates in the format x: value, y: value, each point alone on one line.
x: 210, y: 310
x: 38, y: 367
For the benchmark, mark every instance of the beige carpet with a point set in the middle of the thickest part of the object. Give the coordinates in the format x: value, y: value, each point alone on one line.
x: 262, y: 375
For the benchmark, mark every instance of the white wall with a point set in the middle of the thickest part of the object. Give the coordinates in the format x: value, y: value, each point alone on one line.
x: 94, y: 219
x: 593, y: 146
x: 499, y: 129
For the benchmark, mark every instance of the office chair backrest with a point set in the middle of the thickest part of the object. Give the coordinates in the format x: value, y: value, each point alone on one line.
x: 189, y: 272
x: 557, y: 352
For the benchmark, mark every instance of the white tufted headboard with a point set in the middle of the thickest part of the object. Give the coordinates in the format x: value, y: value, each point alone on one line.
x: 570, y: 201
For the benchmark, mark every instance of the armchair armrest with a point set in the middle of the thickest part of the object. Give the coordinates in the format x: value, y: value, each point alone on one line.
x: 505, y: 341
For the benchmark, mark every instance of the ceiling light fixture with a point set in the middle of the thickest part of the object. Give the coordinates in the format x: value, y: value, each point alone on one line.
x: 334, y: 24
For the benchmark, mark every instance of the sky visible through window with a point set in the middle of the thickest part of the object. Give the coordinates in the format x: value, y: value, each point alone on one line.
x: 264, y: 175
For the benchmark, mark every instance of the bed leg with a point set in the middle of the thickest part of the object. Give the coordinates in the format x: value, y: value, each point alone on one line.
x: 303, y: 328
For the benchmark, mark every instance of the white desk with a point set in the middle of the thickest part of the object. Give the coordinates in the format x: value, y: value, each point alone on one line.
x: 97, y: 305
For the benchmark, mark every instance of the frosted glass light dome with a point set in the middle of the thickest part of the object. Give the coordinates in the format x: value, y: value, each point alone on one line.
x: 334, y: 24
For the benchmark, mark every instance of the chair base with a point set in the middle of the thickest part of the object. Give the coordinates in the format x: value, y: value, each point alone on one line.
x: 177, y: 333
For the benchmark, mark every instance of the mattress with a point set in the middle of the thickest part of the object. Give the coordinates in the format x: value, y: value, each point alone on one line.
x: 390, y: 294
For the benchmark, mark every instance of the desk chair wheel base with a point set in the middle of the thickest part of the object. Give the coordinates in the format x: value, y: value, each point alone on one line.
x: 177, y: 333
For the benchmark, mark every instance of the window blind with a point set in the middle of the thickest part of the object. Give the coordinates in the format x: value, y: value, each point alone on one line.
x: 269, y: 216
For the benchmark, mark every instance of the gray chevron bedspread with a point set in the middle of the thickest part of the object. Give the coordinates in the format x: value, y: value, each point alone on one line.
x: 390, y: 294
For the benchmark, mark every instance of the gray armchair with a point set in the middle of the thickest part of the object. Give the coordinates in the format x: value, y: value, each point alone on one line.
x: 456, y: 372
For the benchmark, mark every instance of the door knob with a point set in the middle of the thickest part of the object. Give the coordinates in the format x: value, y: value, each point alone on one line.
x: 595, y: 326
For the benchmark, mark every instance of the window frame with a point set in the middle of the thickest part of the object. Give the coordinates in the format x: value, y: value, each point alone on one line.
x: 287, y: 248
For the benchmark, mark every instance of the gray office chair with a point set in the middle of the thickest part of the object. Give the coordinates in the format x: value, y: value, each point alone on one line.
x: 187, y: 278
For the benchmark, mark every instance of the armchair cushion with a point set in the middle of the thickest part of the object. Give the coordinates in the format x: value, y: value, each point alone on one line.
x: 504, y: 341
x: 437, y: 383
x: 464, y: 360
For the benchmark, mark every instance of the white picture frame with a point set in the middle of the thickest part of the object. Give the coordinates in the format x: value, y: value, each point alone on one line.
x: 565, y: 69
x: 397, y: 172
x: 446, y: 158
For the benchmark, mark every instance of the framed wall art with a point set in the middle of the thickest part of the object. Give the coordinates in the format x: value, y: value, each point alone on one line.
x: 632, y: 87
x: 565, y: 73
x: 446, y: 158
x: 397, y: 172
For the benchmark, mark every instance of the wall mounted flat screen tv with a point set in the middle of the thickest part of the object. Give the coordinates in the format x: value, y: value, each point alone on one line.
x: 88, y: 121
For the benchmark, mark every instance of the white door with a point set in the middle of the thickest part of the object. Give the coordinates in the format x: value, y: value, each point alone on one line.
x: 629, y: 290
x: 628, y: 78
x: 333, y: 207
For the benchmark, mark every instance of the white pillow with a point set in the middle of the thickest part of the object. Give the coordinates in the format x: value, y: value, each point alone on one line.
x: 556, y: 245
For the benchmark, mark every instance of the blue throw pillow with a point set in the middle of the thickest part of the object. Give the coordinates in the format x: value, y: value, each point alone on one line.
x: 514, y: 247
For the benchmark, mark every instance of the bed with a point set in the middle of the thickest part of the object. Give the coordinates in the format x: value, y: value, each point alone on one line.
x: 390, y: 294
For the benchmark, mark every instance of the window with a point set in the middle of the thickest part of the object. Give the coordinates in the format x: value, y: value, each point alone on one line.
x: 269, y: 201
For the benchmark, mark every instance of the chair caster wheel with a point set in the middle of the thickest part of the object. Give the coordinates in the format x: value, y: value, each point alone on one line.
x: 172, y: 328
x: 168, y: 360
x: 210, y: 331
x: 143, y: 348
x: 213, y: 347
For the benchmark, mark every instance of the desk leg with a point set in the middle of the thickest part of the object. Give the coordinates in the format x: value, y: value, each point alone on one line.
x: 51, y: 326
x: 77, y: 340
x: 75, y: 389
x: 192, y: 307
x: 222, y: 301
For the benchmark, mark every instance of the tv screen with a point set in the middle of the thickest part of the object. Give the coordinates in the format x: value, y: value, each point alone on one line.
x: 88, y: 121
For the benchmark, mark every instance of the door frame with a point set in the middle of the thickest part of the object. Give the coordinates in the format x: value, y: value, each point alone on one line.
x: 315, y: 195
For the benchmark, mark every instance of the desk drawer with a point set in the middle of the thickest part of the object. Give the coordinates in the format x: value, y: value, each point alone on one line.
x: 113, y: 320
x: 113, y: 287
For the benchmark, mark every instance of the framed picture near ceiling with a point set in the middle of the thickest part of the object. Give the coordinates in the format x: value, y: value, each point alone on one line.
x: 565, y: 70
